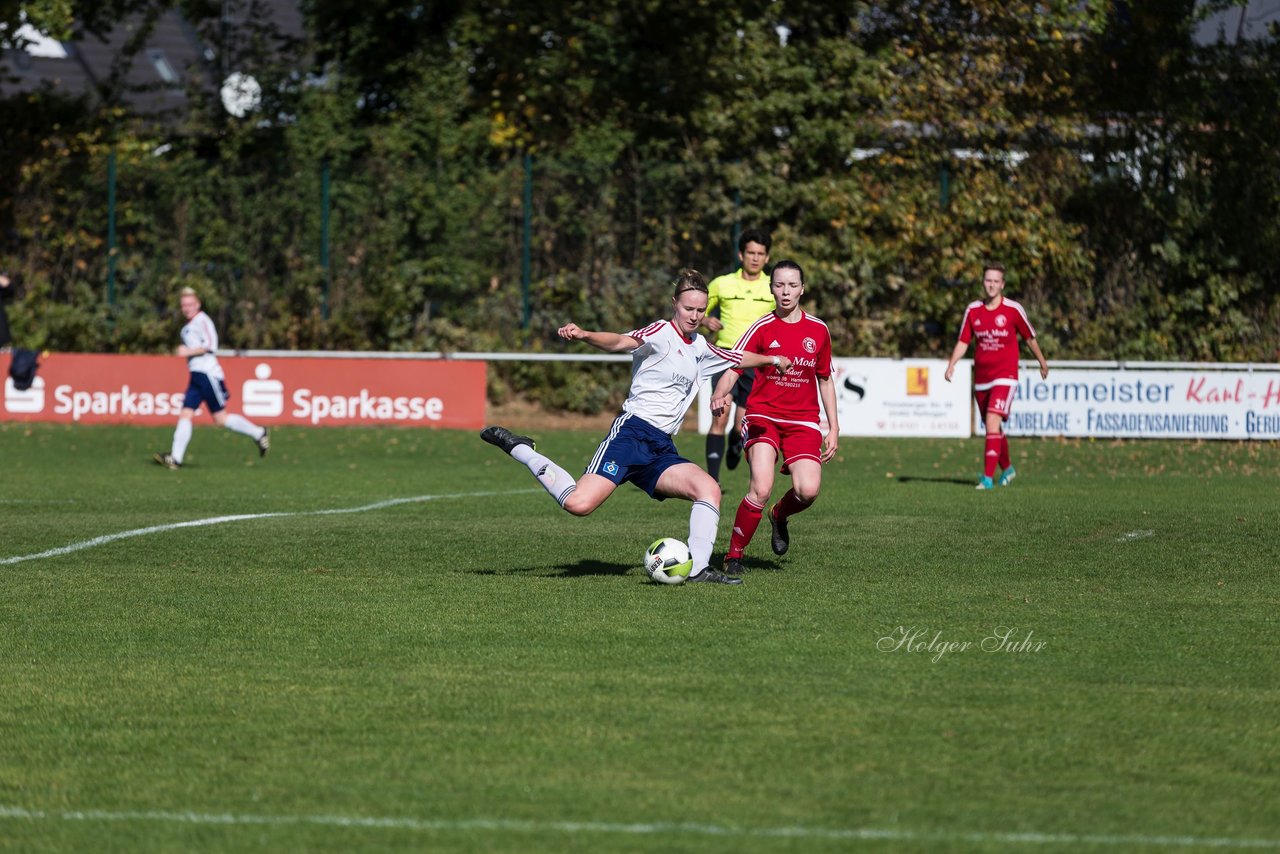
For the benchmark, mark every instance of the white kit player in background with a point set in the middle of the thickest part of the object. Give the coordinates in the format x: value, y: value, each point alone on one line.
x: 669, y: 363
x: 206, y: 385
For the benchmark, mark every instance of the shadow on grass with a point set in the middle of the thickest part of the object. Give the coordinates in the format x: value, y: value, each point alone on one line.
x: 591, y: 567
x: 581, y: 569
x: 595, y: 568
x: 912, y: 479
x: 752, y: 564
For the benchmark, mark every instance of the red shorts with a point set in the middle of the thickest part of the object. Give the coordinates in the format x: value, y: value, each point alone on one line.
x: 790, y: 440
x: 997, y: 399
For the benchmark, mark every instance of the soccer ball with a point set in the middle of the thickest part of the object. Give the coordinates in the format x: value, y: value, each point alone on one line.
x: 667, y: 560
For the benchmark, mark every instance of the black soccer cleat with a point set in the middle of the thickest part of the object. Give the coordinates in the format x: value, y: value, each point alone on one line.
x: 710, y: 576
x: 505, y: 439
x: 733, y: 566
x: 167, y: 461
x: 264, y: 442
x: 733, y: 453
x: 780, y: 540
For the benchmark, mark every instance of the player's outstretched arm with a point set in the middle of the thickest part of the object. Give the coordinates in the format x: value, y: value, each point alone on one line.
x: 956, y: 355
x: 610, y: 342
x: 759, y: 360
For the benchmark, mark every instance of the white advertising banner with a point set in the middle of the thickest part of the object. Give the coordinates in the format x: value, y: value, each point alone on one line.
x: 1150, y: 404
x: 891, y: 397
x: 908, y: 397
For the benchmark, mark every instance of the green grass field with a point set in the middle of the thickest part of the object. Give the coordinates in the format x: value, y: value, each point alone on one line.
x: 475, y: 670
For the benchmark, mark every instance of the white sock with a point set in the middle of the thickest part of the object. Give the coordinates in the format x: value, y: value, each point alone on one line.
x: 181, y: 438
x: 558, y: 483
x: 240, y: 424
x: 704, y: 518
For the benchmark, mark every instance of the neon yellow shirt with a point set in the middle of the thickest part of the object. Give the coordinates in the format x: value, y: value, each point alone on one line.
x: 741, y: 303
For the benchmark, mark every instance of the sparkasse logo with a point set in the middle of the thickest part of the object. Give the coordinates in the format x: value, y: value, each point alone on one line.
x: 27, y: 402
x: 263, y: 397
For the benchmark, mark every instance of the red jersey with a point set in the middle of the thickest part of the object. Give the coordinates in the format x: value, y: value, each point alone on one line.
x: 995, y: 357
x: 790, y: 396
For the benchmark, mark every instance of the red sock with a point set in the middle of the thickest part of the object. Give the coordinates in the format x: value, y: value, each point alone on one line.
x: 790, y: 505
x: 1005, y: 462
x: 992, y: 454
x: 745, y: 523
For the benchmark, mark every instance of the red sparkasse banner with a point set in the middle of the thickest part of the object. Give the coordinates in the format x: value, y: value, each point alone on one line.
x: 94, y: 389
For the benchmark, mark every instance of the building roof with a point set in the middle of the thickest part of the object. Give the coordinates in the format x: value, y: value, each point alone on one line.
x: 156, y: 80
x: 1255, y: 21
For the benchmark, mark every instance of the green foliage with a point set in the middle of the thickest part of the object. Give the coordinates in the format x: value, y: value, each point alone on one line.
x: 1127, y: 178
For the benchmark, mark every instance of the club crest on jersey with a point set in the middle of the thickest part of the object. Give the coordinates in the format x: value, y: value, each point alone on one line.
x: 611, y: 467
x: 810, y: 346
x: 1001, y: 320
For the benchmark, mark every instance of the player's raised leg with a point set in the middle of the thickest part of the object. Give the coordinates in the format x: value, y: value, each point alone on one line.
x: 558, y: 483
x: 239, y: 424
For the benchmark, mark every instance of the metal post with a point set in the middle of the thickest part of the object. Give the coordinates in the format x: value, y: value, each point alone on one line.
x: 944, y: 185
x: 737, y: 229
x: 224, y: 34
x: 525, y: 274
x: 324, y: 234
x: 111, y: 228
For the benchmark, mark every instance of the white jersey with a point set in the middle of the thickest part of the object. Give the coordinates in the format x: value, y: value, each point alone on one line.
x: 667, y: 370
x: 199, y: 333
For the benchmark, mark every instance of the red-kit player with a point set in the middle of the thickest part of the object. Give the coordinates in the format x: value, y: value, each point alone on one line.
x: 995, y: 325
x: 782, y: 413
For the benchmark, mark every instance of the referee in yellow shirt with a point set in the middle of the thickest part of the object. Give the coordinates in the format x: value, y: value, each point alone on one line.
x: 742, y: 296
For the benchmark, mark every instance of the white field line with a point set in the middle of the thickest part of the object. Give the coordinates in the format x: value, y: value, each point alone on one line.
x: 243, y: 517
x: 647, y: 828
x: 1134, y: 535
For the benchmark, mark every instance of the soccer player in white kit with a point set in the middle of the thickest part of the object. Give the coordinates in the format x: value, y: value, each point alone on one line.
x: 206, y: 385
x: 670, y: 360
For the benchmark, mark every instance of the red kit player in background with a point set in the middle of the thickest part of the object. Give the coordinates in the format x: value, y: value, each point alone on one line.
x: 782, y: 413
x: 995, y: 324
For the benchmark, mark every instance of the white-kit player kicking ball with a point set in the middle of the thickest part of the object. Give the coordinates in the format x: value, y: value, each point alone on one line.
x: 669, y: 363
x: 206, y: 385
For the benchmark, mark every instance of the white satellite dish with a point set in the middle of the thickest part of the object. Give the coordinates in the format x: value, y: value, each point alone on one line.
x: 241, y: 94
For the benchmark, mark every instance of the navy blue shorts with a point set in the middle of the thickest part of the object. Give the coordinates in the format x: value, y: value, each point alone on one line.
x: 637, y: 452
x: 202, y: 388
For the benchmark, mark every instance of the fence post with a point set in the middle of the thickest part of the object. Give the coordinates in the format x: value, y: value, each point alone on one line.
x: 736, y: 234
x: 111, y: 227
x: 324, y: 234
x: 526, y: 249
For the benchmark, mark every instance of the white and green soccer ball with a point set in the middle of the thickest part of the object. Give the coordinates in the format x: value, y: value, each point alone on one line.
x: 668, y: 561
